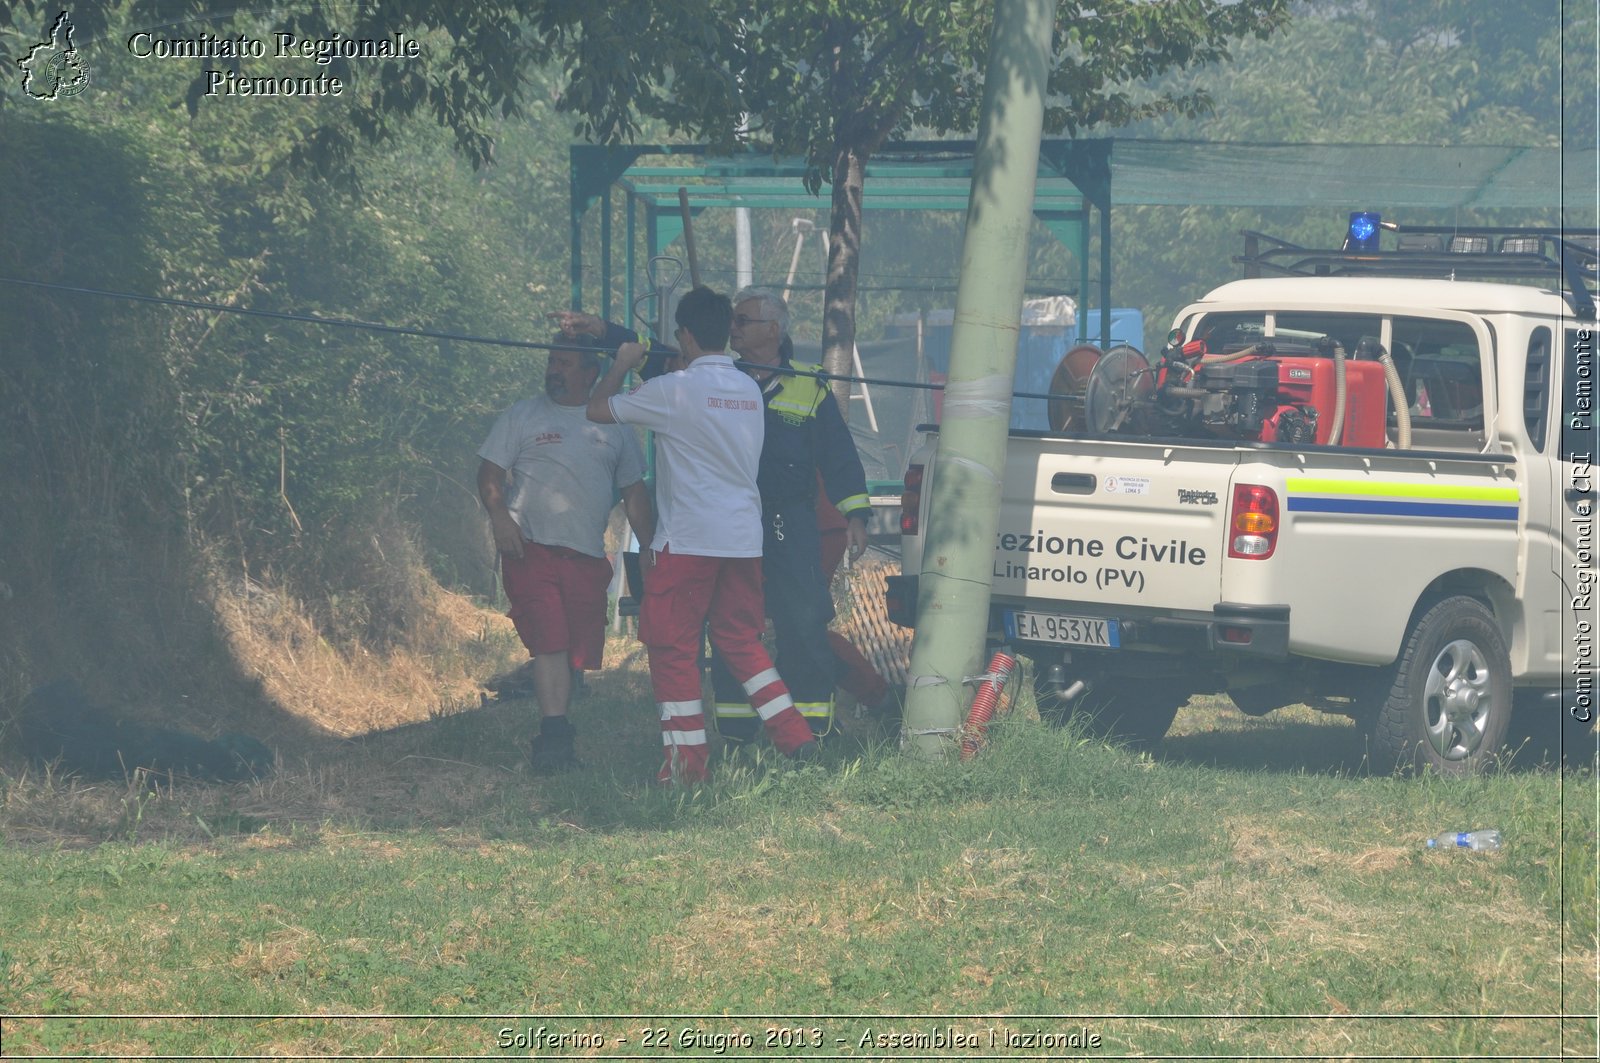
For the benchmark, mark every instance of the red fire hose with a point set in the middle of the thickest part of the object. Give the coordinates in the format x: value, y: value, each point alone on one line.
x: 990, y: 686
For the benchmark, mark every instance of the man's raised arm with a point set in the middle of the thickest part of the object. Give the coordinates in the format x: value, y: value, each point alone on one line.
x: 628, y: 358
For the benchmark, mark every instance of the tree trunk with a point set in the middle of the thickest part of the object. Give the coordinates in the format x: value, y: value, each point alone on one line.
x: 953, y: 592
x: 844, y: 262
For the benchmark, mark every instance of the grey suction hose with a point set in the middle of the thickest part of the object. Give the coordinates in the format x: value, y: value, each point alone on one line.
x: 1336, y: 436
x: 1397, y: 395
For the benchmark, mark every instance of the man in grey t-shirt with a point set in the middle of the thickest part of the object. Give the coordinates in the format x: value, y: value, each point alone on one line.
x: 549, y: 479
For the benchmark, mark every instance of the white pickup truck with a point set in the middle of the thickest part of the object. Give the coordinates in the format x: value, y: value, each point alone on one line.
x: 1367, y: 493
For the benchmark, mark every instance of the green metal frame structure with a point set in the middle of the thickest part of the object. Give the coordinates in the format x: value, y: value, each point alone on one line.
x: 1074, y: 177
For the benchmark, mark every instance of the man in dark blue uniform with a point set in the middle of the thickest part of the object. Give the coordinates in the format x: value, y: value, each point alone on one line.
x: 805, y: 435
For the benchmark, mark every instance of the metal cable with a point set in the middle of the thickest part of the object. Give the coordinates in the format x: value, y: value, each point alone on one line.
x: 462, y: 337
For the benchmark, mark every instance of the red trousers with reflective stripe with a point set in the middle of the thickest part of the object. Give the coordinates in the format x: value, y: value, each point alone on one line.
x: 683, y: 595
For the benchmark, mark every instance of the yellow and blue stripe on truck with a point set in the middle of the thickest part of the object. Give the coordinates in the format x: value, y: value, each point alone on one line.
x: 1308, y: 494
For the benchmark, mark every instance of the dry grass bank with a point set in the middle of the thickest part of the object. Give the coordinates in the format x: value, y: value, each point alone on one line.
x: 454, y: 644
x: 328, y: 711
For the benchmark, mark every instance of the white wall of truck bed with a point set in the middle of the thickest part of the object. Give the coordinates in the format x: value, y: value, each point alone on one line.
x: 1131, y: 522
x: 1363, y: 536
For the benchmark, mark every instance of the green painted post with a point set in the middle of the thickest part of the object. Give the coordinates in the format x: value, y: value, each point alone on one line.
x: 957, y: 560
x: 605, y: 254
x: 1105, y: 277
x: 575, y: 209
x: 630, y: 260
x: 1085, y: 299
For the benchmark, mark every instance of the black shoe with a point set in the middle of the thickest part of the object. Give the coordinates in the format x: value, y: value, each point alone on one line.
x: 808, y: 753
x: 552, y: 750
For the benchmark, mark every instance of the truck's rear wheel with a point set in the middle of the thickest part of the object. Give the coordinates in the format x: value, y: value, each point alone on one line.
x: 1137, y: 712
x: 1448, y: 701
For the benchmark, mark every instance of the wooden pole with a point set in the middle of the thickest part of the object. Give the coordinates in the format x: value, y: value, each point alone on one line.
x: 688, y: 237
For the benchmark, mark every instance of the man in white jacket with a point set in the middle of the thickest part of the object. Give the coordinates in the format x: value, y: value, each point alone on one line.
x: 709, y: 424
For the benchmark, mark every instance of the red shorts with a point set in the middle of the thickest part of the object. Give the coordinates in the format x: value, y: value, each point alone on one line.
x: 558, y: 601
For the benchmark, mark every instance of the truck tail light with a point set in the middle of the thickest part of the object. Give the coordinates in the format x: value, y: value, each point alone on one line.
x: 1253, y: 522
x: 911, y: 501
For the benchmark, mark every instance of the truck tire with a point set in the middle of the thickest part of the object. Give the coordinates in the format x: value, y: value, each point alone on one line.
x: 1136, y: 712
x: 1448, y: 701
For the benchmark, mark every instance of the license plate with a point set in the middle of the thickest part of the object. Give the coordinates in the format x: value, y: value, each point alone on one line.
x: 1067, y: 630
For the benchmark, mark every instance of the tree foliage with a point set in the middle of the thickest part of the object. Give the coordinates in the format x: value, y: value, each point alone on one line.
x: 833, y: 82
x: 1361, y: 72
x: 131, y: 431
x: 476, y: 64
x: 826, y: 80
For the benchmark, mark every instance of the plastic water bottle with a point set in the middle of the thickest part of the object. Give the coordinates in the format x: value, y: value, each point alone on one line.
x: 1477, y: 840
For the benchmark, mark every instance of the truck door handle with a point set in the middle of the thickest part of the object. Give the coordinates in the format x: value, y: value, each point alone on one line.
x: 1578, y: 494
x: 1072, y: 483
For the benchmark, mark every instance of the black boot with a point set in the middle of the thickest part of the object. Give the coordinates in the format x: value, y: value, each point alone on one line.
x: 553, y: 747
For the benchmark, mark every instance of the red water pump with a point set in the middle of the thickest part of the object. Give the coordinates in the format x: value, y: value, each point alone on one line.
x: 1266, y: 392
x: 1308, y: 384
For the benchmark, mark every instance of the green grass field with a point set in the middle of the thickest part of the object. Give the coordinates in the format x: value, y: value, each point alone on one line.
x: 1248, y: 890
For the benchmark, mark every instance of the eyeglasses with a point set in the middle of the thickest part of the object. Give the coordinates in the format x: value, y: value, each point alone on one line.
x: 744, y: 321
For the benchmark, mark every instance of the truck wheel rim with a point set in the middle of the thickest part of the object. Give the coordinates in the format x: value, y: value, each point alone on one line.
x: 1457, y: 700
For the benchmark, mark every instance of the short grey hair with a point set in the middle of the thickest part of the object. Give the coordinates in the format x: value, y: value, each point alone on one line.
x: 772, y: 305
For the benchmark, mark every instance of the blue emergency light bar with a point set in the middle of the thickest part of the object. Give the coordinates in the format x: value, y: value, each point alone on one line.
x: 1439, y: 251
x: 1363, y: 232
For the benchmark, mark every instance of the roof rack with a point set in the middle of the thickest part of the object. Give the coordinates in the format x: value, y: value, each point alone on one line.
x: 1444, y: 251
